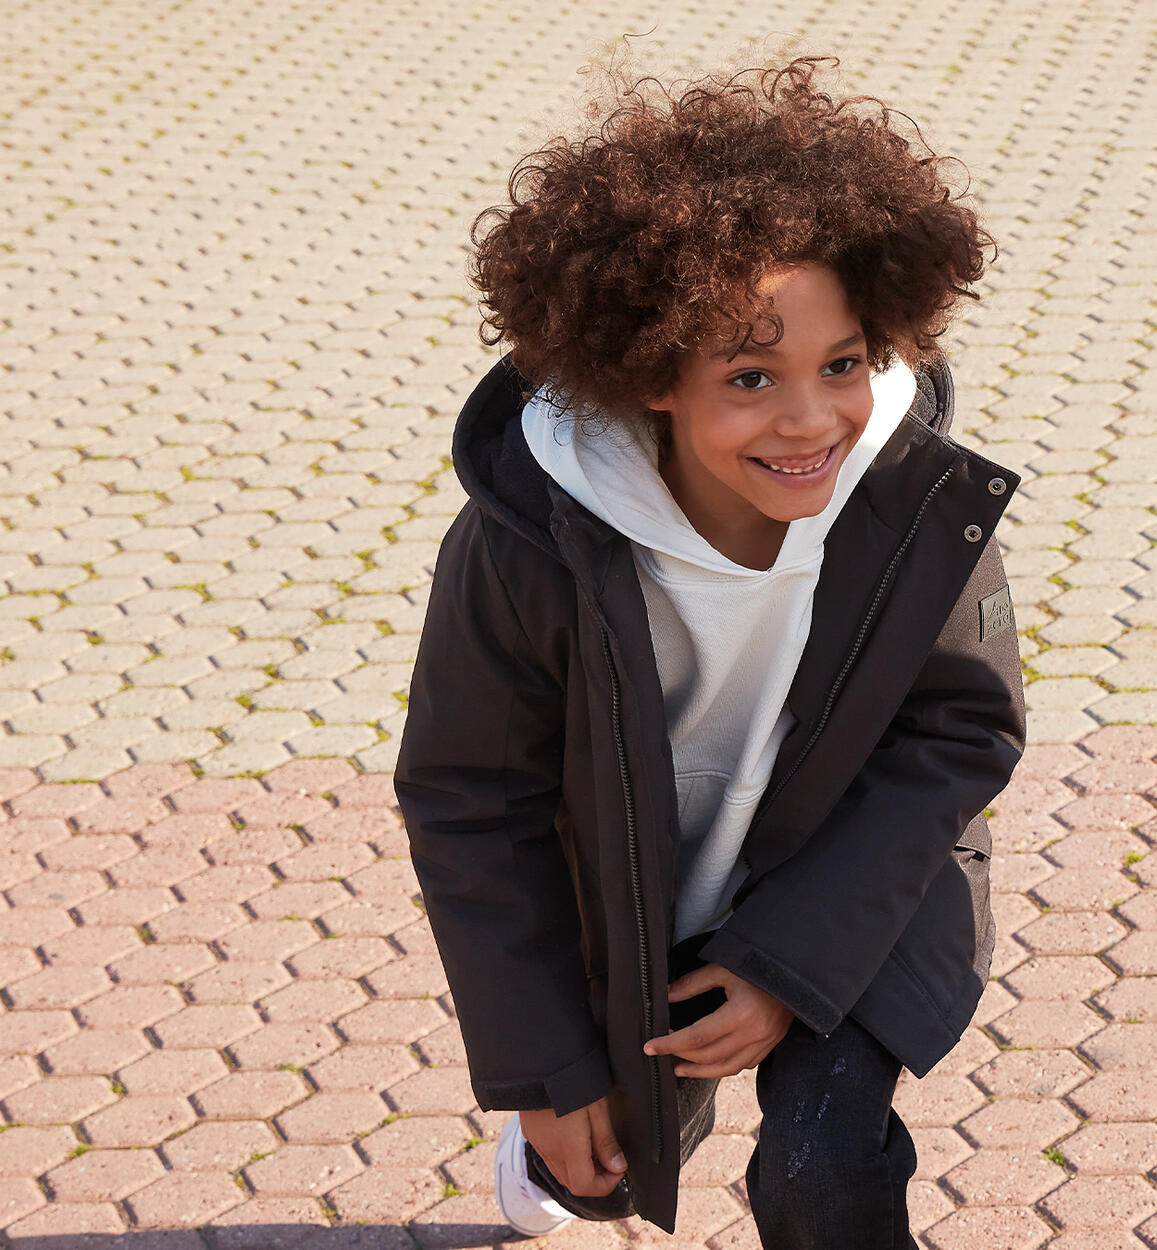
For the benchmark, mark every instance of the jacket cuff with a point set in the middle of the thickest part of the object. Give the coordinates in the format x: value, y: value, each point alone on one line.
x: 818, y: 1012
x: 585, y: 1081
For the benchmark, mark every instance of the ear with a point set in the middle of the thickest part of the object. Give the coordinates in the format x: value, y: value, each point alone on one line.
x: 659, y: 403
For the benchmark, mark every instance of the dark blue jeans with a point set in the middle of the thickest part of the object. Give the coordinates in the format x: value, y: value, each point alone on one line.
x: 833, y: 1160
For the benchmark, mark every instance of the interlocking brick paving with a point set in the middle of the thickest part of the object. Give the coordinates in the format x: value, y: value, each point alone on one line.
x: 236, y: 331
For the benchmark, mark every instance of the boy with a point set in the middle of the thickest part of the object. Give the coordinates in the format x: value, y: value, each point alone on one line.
x: 719, y: 671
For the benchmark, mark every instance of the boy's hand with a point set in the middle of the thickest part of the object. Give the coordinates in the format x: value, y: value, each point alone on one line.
x: 579, y: 1149
x: 736, y: 1036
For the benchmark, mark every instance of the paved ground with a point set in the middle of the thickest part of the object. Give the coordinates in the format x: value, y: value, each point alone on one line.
x: 235, y: 333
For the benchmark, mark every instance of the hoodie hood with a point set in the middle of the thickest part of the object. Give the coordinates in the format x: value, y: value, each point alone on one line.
x: 500, y: 473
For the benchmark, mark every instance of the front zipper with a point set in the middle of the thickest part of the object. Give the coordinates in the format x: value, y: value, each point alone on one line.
x: 857, y: 645
x: 636, y: 898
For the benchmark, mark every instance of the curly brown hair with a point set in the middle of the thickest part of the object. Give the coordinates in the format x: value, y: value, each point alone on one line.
x: 625, y: 248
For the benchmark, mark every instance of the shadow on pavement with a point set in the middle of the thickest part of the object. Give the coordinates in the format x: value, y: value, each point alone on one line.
x: 282, y: 1237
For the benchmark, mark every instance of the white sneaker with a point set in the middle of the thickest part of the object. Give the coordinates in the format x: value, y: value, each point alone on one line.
x: 525, y: 1206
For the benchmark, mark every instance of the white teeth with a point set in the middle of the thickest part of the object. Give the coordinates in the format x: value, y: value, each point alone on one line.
x: 806, y: 469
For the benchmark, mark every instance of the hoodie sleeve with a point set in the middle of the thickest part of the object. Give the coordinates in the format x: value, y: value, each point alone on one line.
x: 814, y: 931
x: 478, y: 780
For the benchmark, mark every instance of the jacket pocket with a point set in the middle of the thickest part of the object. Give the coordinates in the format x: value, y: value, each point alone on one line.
x: 976, y: 838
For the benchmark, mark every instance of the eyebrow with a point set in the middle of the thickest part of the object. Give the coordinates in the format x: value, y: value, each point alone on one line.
x: 750, y: 348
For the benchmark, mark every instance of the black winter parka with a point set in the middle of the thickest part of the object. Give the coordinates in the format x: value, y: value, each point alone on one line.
x: 537, y: 786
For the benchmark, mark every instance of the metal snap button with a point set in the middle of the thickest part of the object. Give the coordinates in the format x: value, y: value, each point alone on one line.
x: 973, y: 533
x: 997, y: 486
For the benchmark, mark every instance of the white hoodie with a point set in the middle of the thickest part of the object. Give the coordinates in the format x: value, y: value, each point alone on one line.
x: 727, y: 639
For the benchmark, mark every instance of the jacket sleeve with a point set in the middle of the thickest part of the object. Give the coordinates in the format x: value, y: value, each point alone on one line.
x: 815, y: 930
x: 478, y: 780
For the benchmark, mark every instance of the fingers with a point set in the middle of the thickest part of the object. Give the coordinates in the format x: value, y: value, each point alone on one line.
x: 604, y: 1144
x: 695, y: 982
x: 703, y: 1032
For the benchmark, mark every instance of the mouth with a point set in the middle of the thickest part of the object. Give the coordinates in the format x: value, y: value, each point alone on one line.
x: 796, y: 466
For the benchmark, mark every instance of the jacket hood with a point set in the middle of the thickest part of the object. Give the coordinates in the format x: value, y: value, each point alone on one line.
x: 500, y: 473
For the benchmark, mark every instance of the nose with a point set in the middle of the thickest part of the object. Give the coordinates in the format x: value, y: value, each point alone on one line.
x: 805, y: 412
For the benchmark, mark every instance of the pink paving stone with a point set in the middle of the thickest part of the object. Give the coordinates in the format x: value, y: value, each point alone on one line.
x: 416, y: 938
x: 1013, y: 872
x: 19, y: 1196
x: 96, y: 1051
x: 61, y: 1224
x: 297, y: 1170
x: 324, y: 860
x: 151, y: 780
x: 1070, y: 933
x: 140, y: 1121
x: 299, y: 1043
x: 265, y: 940
x: 1108, y: 1148
x: 126, y: 906
x: 197, y: 922
x: 217, y: 794
x: 184, y: 1199
x: 64, y: 986
x: 14, y: 781
x: 1130, y: 999
x: 1011, y: 1124
x: 351, y: 824
x: 237, y: 982
x: 163, y: 865
x: 1105, y: 811
x: 438, y: 1227
x: 927, y: 1205
x: 232, y: 883
x: 173, y: 1072
x: 299, y: 899
x: 472, y: 1171
x: 937, y: 1100
x: 1059, y: 978
x: 312, y: 1000
x: 130, y: 1007
x: 1118, y: 1096
x: 363, y: 1067
x: 1103, y: 849
x: 28, y: 1150
x: 274, y: 810
x: 371, y: 918
x: 415, y: 976
x: 220, y: 1146
x: 388, y: 1195
x: 55, y: 799
x: 433, y: 1091
x: 1101, y: 1201
x: 162, y: 961
x: 314, y: 776
x: 1123, y: 1046
x: 32, y: 1031
x: 209, y: 1024
x: 103, y: 1175
x: 188, y: 829
x: 1015, y: 1178
x: 62, y: 889
x: 88, y: 851
x: 993, y: 1228
x: 1023, y: 835
x: 128, y: 815
x: 1114, y: 776
x: 17, y: 962
x: 252, y: 847
x: 341, y: 957
x: 366, y: 790
x: 402, y: 1020
x: 1031, y: 1074
x: 1084, y: 889
x: 702, y: 1212
x: 720, y: 1160
x: 29, y: 834
x: 1127, y: 742
x: 250, y: 1095
x: 91, y: 945
x: 269, y: 1224
x: 1141, y: 910
x: 444, y: 1046
x: 17, y: 1071
x: 736, y: 1109
x: 417, y: 1140
x: 59, y: 1100
x: 1096, y: 1239
x: 1136, y: 956
x: 1048, y: 1024
x: 17, y: 866
x: 937, y: 1150
x: 385, y: 878
x: 332, y: 1117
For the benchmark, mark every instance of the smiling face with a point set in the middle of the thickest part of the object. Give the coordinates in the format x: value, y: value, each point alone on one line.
x: 757, y: 436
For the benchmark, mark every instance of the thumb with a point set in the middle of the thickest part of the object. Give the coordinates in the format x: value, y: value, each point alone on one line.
x: 604, y: 1144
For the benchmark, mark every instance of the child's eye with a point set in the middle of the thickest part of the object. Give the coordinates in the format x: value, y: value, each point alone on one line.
x: 845, y: 365
x: 752, y: 380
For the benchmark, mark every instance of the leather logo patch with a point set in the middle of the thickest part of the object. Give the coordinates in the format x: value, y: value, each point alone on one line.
x: 995, y: 613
